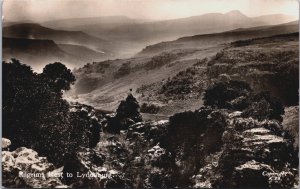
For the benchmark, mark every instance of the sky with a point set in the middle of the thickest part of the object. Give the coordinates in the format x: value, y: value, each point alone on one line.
x: 42, y: 10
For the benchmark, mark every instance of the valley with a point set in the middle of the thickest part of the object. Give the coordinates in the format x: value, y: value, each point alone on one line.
x: 181, y: 70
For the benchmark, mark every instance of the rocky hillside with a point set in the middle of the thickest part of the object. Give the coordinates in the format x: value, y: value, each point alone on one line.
x: 212, y: 39
x: 104, y: 84
x: 242, y: 144
x: 181, y: 70
x: 268, y: 64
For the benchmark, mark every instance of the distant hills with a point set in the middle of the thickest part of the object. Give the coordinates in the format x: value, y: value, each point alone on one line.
x: 78, y: 41
x: 207, y: 40
x: 106, y: 21
x: 35, y: 52
x: 36, y: 31
x: 126, y: 29
x: 31, y: 42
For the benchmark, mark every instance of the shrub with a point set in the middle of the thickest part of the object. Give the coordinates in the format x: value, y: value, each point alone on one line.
x: 192, y: 136
x: 221, y: 94
x: 264, y: 106
x: 237, y: 95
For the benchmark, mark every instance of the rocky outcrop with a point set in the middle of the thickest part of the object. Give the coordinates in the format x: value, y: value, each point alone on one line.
x: 86, y: 169
x: 254, y: 154
x: 24, y: 168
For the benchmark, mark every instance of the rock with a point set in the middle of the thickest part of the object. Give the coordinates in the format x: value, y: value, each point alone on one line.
x: 5, y: 143
x: 235, y: 114
x: 291, y: 123
x: 156, y: 152
x: 250, y: 174
x: 89, y: 171
x: 24, y: 168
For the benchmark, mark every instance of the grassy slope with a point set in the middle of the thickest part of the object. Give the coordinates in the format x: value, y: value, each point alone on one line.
x: 108, y: 90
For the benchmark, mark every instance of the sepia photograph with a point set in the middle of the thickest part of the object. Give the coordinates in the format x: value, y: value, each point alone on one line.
x: 150, y: 94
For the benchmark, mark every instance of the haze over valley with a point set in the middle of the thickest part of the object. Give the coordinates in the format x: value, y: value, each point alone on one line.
x: 101, y: 38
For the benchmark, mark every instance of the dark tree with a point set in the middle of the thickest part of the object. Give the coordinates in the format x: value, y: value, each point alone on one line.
x: 36, y: 116
x: 128, y: 113
x: 129, y: 108
x: 59, y: 76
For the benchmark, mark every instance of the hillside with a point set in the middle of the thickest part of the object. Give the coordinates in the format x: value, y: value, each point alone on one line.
x: 269, y: 63
x: 179, y: 75
x: 83, y: 53
x: 208, y: 40
x: 36, y: 53
x: 36, y: 31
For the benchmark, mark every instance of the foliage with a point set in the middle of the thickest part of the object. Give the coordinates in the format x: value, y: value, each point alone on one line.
x: 264, y: 106
x: 192, y: 136
x: 58, y: 76
x: 220, y: 94
x: 128, y: 113
x: 36, y: 116
x: 237, y: 95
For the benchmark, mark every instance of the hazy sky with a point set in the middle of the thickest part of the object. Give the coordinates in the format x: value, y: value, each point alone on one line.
x: 38, y: 10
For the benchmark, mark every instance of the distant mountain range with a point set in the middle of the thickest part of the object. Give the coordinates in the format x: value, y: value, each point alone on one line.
x: 126, y: 29
x: 80, y: 40
x: 71, y: 23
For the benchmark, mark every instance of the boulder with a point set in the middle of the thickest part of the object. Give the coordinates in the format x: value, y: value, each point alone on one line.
x: 24, y: 168
x: 5, y: 143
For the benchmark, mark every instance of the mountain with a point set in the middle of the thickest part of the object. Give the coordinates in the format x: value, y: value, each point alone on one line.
x: 35, y: 52
x: 108, y: 21
x: 36, y: 31
x: 157, y: 31
x: 206, y: 40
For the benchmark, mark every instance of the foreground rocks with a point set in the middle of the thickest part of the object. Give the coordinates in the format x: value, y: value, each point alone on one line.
x: 254, y: 154
x: 24, y: 168
x: 207, y: 148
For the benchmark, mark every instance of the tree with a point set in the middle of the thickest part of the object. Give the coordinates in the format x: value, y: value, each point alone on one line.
x: 36, y: 116
x: 59, y: 76
x: 129, y: 108
x: 128, y: 113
